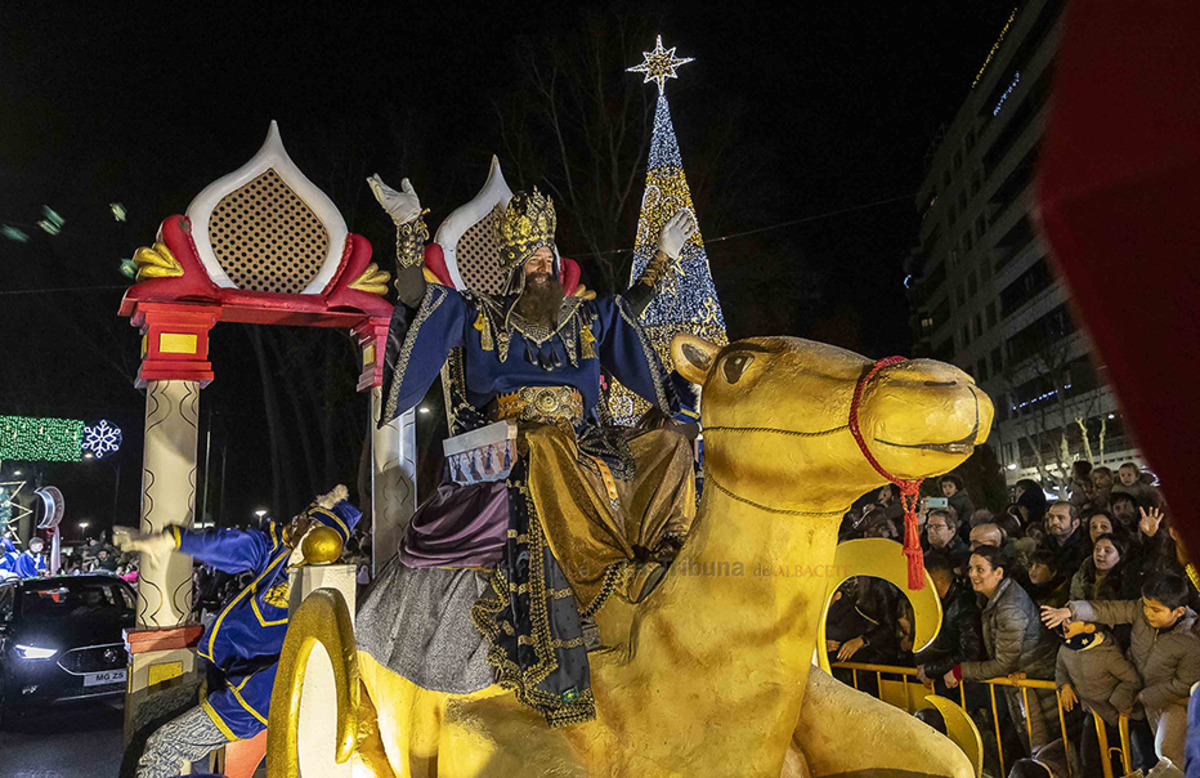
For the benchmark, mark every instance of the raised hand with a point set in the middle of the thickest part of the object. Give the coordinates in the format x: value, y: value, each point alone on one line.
x: 676, y: 233
x: 403, y: 206
x: 157, y: 544
x: 1053, y: 617
x: 1150, y: 521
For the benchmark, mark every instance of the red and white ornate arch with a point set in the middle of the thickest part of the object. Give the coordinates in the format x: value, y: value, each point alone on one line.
x: 261, y: 245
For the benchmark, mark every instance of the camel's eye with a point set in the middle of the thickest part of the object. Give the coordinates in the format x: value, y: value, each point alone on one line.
x: 735, y: 365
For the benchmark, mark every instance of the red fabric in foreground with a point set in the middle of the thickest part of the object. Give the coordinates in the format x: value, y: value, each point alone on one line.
x: 1119, y: 202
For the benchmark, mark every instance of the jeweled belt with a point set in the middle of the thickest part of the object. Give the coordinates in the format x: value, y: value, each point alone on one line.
x: 549, y: 404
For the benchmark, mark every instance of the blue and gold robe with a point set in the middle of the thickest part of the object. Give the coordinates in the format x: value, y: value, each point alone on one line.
x: 244, y: 643
x: 588, y: 472
x: 503, y: 352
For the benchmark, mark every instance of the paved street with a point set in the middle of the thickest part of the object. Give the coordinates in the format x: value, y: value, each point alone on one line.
x: 79, y: 741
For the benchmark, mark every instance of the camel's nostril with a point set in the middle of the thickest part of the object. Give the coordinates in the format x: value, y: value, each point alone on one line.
x: 941, y: 383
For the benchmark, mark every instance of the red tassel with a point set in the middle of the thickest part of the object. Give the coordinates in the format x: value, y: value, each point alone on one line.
x: 909, y: 490
x: 912, y: 542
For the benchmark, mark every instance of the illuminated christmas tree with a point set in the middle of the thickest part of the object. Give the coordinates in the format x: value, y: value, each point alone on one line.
x: 686, y: 300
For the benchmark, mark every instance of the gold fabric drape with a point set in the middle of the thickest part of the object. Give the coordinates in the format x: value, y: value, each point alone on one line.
x: 599, y: 526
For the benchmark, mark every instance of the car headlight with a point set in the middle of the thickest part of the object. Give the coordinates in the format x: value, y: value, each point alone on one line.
x: 35, y: 652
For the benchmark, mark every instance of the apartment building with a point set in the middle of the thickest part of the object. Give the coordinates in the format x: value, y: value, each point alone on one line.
x: 981, y: 284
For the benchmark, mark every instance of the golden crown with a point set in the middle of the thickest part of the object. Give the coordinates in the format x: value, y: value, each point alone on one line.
x: 523, y: 227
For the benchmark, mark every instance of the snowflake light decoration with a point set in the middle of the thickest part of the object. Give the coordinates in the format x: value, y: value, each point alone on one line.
x: 102, y: 439
x: 659, y: 65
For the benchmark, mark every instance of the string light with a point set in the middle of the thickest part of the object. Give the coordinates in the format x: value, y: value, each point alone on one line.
x: 1016, y: 80
x: 995, y: 48
x: 12, y: 233
x: 33, y: 439
x: 102, y: 439
x: 686, y: 299
x: 659, y: 65
x: 51, y: 223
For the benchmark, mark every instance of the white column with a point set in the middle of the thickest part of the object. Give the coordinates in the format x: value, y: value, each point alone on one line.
x: 317, y: 721
x: 168, y: 497
x: 393, y: 480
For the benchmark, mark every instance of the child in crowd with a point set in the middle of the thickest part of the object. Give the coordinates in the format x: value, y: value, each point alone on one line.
x: 1164, y: 646
x: 1130, y: 482
x: 1092, y: 670
x: 1048, y: 586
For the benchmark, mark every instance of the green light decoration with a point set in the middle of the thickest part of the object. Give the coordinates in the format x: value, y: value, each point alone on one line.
x: 52, y: 223
x: 34, y: 439
x: 12, y: 233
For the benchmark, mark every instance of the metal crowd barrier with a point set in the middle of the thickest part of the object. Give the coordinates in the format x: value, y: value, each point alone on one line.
x: 1024, y: 685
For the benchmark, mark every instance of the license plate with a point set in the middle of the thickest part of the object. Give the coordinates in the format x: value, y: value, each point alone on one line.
x: 104, y: 678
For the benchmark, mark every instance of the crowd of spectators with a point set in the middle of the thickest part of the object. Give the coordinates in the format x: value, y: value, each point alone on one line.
x: 1092, y: 591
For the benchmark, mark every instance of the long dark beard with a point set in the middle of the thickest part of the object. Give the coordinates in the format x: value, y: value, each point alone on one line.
x: 540, y: 302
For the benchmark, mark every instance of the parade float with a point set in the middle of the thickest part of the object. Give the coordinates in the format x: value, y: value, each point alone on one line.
x: 683, y: 673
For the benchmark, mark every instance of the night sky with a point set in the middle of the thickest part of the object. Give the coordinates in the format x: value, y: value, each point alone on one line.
x: 785, y: 115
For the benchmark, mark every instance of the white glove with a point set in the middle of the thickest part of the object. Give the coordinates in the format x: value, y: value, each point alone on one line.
x: 336, y: 495
x: 675, y: 233
x: 157, y: 544
x: 402, y: 206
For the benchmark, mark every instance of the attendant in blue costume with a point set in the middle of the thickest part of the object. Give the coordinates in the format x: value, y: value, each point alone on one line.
x: 32, y: 563
x: 8, y: 559
x: 588, y: 511
x: 244, y: 643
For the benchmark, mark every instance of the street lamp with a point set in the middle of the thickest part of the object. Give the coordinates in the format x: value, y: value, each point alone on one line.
x: 423, y: 409
x: 16, y: 472
x: 260, y: 512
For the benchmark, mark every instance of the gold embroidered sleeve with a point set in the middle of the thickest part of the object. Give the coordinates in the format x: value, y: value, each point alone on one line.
x: 411, y: 238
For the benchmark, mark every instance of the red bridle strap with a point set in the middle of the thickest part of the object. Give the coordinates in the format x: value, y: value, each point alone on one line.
x: 909, y: 490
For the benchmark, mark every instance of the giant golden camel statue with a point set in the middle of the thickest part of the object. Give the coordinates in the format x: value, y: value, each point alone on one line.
x: 710, y: 674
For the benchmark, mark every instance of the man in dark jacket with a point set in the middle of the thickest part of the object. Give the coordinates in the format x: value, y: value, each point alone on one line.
x: 960, y: 638
x: 1064, y: 536
x: 941, y: 534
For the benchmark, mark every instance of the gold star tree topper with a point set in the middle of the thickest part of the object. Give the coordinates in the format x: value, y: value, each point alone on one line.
x: 659, y: 64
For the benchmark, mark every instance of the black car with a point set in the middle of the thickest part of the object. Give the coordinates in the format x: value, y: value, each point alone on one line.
x: 60, y: 639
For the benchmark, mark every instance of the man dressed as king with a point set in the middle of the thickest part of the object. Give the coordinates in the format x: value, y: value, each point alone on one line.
x: 497, y: 582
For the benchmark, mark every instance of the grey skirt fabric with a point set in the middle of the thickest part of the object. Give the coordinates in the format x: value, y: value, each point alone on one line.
x: 417, y: 622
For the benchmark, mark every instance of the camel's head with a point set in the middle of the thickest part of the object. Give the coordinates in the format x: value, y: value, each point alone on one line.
x: 776, y: 411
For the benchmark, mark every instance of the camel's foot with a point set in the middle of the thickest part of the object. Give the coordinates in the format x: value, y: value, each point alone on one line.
x: 844, y: 732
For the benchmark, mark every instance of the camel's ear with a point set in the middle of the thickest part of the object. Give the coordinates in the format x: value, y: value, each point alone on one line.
x: 693, y: 356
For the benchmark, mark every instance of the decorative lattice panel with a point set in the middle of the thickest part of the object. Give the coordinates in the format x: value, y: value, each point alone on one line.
x: 266, y: 238
x: 478, y: 257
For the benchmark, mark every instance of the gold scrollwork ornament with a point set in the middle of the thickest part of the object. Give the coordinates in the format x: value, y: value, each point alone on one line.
x: 156, y: 261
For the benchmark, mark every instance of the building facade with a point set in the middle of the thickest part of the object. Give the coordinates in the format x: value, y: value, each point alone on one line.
x: 983, y: 289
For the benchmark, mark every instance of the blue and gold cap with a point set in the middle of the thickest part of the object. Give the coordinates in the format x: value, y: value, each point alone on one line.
x: 342, y: 518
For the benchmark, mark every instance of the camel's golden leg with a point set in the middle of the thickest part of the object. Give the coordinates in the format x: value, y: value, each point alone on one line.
x: 371, y: 758
x: 842, y: 730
